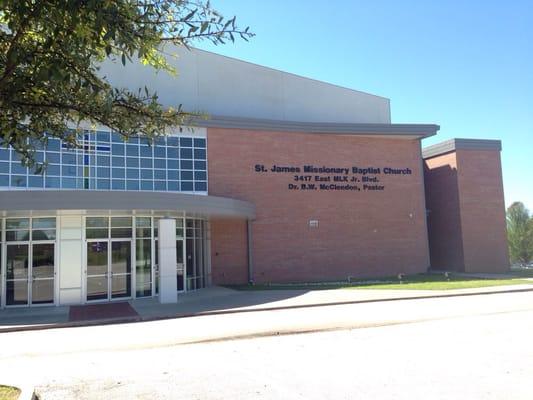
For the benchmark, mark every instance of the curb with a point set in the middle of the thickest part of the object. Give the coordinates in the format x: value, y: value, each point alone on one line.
x: 125, y: 320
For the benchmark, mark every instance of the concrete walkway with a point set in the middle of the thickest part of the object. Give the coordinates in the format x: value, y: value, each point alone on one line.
x: 220, y: 300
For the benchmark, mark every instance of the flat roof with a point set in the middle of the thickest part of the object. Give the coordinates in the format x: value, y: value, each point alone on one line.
x: 364, y: 129
x: 460, y: 144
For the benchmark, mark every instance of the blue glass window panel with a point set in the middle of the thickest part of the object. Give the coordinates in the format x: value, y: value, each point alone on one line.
x: 147, y: 174
x: 200, y: 186
x: 160, y: 151
x: 4, y: 167
x: 39, y: 156
x: 118, y: 161
x: 173, y: 141
x: 159, y: 141
x: 172, y: 152
x: 160, y: 163
x: 15, y: 156
x: 132, y: 185
x: 173, y: 174
x: 102, y: 172
x: 53, y: 157
x: 185, y: 164
x: 4, y: 180
x: 200, y: 165
x: 33, y: 170
x: 69, y: 158
x: 36, y: 181
x: 103, y: 161
x: 18, y: 180
x: 37, y: 144
x: 132, y: 150
x: 132, y: 173
x: 146, y: 151
x: 199, y: 143
x: 118, y: 184
x: 200, y: 175
x: 186, y: 175
x: 173, y: 185
x: 199, y: 154
x: 117, y: 137
x: 186, y: 186
x: 185, y: 153
x: 53, y: 169
x: 134, y: 140
x: 53, y: 144
x: 160, y: 185
x: 102, y: 136
x: 146, y: 163
x: 117, y: 149
x: 132, y: 162
x: 160, y: 174
x: 69, y: 170
x: 104, y: 184
x: 4, y: 154
x: 172, y: 164
x: 18, y: 168
x: 145, y: 141
x: 119, y: 173
x: 147, y: 185
x: 68, y: 183
x: 186, y: 142
x: 52, y: 182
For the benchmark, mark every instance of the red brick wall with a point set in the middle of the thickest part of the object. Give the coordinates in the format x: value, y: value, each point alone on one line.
x: 444, y: 214
x: 466, y: 224
x: 229, y: 253
x: 360, y: 234
x: 482, y: 211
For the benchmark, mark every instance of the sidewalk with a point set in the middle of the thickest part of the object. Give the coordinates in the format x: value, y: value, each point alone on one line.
x: 219, y: 300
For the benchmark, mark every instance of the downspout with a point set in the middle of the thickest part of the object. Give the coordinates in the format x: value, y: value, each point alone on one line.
x: 250, y: 259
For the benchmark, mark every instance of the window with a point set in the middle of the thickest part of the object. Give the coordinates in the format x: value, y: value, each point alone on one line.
x: 103, y: 161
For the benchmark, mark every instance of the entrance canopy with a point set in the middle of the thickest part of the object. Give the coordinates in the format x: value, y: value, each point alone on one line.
x: 50, y: 200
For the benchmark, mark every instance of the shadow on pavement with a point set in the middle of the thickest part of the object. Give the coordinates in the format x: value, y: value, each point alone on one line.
x: 210, y: 299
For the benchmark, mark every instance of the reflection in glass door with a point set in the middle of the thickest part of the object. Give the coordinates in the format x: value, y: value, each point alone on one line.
x: 180, y: 266
x: 42, y: 271
x: 17, y: 274
x: 120, y: 273
x: 108, y: 272
x: 97, y: 271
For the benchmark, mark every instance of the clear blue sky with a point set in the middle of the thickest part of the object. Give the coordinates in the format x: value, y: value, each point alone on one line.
x: 464, y: 65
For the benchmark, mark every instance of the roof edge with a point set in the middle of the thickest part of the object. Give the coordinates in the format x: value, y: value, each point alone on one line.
x: 378, y: 129
x: 23, y: 200
x: 461, y: 144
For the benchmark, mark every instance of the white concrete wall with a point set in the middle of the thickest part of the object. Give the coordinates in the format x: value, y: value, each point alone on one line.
x: 70, y: 259
x: 219, y: 85
x: 168, y: 285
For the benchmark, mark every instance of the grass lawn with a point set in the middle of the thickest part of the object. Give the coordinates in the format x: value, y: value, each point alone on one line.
x: 9, y: 393
x: 409, y: 282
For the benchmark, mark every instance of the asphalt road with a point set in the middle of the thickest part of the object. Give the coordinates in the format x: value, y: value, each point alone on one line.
x: 477, y: 347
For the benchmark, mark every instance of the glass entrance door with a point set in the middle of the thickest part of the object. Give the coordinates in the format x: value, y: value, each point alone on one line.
x: 97, y: 284
x: 120, y: 269
x: 180, y: 265
x: 108, y: 269
x: 42, y: 273
x: 17, y: 274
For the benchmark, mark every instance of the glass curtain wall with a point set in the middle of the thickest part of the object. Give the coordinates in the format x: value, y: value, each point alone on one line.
x: 104, y: 161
